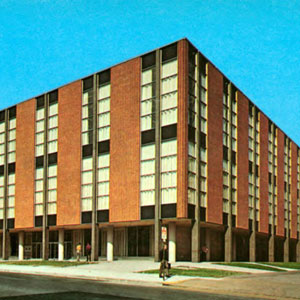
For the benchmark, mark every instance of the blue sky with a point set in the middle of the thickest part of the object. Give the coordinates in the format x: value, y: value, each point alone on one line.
x: 256, y: 44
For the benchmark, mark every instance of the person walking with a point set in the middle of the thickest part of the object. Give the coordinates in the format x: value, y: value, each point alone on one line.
x: 78, y: 251
x: 88, y: 249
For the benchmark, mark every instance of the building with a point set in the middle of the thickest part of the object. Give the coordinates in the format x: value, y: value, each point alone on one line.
x: 161, y: 139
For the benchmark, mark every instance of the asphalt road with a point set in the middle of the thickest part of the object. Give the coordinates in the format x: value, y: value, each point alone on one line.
x: 29, y: 287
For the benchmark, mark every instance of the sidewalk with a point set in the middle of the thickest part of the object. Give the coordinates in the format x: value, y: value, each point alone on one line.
x: 121, y: 271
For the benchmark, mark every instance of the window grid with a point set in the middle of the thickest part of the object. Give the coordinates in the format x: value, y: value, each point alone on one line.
x: 169, y: 92
x: 52, y: 190
x: 104, y: 112
x: 1, y: 196
x: 87, y: 117
x: 103, y: 181
x: 287, y: 184
x: 86, y: 183
x: 203, y: 131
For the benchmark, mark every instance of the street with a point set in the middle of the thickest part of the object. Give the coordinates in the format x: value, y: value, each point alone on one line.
x: 29, y: 287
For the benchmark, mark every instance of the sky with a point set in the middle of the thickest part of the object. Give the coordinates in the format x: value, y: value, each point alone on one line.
x: 256, y: 43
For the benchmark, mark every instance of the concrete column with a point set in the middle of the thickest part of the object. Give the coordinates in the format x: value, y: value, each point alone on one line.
x: 228, y: 244
x: 196, y: 241
x: 272, y: 248
x: 95, y: 242
x: 298, y: 251
x: 286, y: 250
x: 252, y: 246
x: 21, y: 245
x: 5, y: 244
x: 110, y: 244
x: 172, y: 242
x: 61, y: 240
x: 45, y: 245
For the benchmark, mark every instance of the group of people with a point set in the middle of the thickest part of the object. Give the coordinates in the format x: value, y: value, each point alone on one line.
x: 88, y: 250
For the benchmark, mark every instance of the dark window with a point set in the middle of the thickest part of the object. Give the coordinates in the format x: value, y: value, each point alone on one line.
x: 10, y: 223
x: 191, y: 134
x: 52, y: 159
x: 233, y: 220
x: 53, y: 97
x: 270, y: 126
x: 12, y: 112
x: 148, y: 60
x: 2, y: 116
x: 225, y: 153
x: 270, y: 229
x: 87, y: 151
x: 37, y: 237
x: 169, y: 132
x: 53, y: 235
x: 51, y: 220
x: 104, y: 77
x: 88, y: 83
x: 38, y: 222
x: 169, y: 52
x: 1, y: 170
x: 225, y: 85
x: 68, y: 235
x: 250, y: 225
x: 148, y: 136
x: 192, y: 53
x: 39, y: 162
x: 270, y: 177
x: 233, y: 157
x: 103, y: 147
x: 86, y: 217
x: 202, y: 65
x: 191, y: 211
x: 256, y: 225
x: 250, y: 167
x: 202, y: 140
x: 256, y: 114
x: 11, y: 168
x: 103, y: 216
x: 147, y: 212
x: 256, y: 170
x: 275, y: 180
x: 275, y: 229
x: 1, y: 224
x: 40, y: 102
x: 225, y: 219
x: 168, y: 211
x: 203, y: 214
x: 285, y: 186
x: 250, y: 109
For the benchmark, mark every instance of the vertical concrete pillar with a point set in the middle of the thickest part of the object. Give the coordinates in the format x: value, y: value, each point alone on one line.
x: 45, y: 245
x: 252, y: 246
x: 21, y: 245
x: 196, y: 241
x: 272, y: 248
x: 172, y: 242
x: 95, y: 242
x: 298, y: 251
x: 5, y: 244
x: 61, y: 240
x: 110, y: 244
x: 286, y: 250
x: 228, y: 244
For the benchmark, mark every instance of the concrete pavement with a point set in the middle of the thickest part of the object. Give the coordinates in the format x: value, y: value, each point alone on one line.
x: 266, y: 284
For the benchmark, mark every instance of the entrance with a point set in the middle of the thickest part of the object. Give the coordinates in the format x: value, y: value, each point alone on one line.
x: 138, y: 241
x: 53, y: 244
x: 37, y: 245
x: 14, y: 244
x: 68, y: 244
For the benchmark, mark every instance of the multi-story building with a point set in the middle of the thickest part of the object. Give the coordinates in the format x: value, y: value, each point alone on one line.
x: 164, y: 139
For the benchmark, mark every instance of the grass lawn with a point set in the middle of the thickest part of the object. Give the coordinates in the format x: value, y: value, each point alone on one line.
x: 44, y: 263
x: 197, y: 272
x: 288, y: 265
x: 251, y: 266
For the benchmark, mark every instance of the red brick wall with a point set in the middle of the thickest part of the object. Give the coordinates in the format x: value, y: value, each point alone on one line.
x: 25, y: 165
x: 69, y: 154
x: 215, y: 146
x: 264, y: 175
x: 182, y: 130
x: 242, y: 161
x: 280, y: 184
x: 294, y: 191
x: 125, y: 142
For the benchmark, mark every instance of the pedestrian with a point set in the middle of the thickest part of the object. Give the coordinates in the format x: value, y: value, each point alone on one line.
x: 88, y: 249
x: 164, y: 264
x: 78, y: 251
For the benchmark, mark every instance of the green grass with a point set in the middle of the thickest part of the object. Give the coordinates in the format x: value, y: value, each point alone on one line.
x: 288, y: 265
x: 44, y: 263
x: 197, y: 272
x: 251, y: 266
